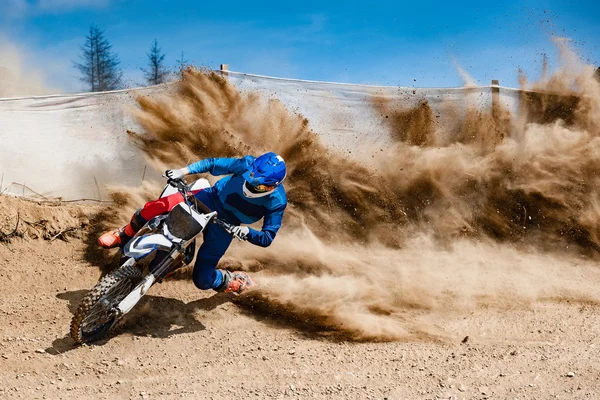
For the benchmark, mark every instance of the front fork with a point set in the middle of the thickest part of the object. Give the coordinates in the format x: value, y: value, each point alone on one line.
x: 183, y: 256
x: 178, y: 255
x: 142, y: 288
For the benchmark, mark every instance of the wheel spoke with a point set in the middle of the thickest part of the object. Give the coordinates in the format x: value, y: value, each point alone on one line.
x: 97, y: 312
x: 103, y: 311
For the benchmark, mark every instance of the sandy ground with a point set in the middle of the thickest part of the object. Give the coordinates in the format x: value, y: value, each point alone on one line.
x: 184, y: 343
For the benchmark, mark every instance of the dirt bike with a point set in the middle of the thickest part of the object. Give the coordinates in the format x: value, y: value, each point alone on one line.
x: 170, y: 237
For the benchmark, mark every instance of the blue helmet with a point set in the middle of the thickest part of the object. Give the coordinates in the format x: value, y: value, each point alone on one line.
x: 266, y: 173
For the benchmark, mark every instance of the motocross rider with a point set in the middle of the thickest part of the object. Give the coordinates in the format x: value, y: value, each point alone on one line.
x: 251, y: 191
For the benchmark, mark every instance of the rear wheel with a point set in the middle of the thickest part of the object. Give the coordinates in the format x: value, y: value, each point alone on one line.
x: 96, y: 314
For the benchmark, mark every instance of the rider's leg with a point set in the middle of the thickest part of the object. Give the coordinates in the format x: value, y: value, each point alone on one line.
x: 121, y: 236
x: 206, y: 275
x: 216, y: 241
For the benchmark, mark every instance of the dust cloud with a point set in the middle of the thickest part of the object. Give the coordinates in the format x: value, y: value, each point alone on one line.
x: 471, y: 210
x: 17, y: 77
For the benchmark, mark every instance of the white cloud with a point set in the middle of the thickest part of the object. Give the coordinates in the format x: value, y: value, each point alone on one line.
x: 63, y: 5
x: 15, y: 9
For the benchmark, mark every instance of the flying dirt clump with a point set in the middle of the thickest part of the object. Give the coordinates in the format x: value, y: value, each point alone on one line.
x: 459, y: 214
x: 413, y: 126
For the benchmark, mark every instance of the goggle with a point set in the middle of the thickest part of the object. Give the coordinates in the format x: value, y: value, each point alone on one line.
x: 263, y: 188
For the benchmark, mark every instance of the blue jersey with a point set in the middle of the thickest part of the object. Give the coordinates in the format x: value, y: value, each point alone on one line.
x: 229, y: 196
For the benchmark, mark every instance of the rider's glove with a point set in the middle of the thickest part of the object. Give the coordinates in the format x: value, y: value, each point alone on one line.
x: 240, y: 232
x: 176, y: 173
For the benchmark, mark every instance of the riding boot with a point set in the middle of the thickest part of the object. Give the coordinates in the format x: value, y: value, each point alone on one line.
x: 236, y: 282
x: 119, y: 237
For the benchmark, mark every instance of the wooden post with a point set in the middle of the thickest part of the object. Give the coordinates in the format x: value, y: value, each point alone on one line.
x: 495, y: 94
x: 224, y: 70
x: 97, y: 188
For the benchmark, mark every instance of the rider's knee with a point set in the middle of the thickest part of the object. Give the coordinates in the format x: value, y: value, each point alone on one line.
x: 203, y: 282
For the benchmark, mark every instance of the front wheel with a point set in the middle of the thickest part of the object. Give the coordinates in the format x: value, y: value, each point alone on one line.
x: 96, y: 314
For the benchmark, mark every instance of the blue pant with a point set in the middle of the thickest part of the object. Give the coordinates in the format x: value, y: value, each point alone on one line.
x: 216, y: 242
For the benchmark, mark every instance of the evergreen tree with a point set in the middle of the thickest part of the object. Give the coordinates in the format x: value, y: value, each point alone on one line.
x: 99, y: 65
x: 183, y: 64
x: 156, y: 73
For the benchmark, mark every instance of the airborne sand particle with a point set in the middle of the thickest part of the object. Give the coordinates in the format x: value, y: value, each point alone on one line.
x: 471, y: 211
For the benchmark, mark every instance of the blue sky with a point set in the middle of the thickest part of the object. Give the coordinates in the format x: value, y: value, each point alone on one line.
x: 383, y: 42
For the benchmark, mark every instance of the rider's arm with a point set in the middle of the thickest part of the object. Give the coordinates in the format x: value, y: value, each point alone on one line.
x: 221, y: 166
x: 271, y: 224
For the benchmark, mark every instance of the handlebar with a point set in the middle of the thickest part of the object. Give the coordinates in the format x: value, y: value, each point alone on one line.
x: 188, y: 196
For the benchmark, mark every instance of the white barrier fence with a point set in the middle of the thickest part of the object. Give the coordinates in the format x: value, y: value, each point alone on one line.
x: 72, y: 146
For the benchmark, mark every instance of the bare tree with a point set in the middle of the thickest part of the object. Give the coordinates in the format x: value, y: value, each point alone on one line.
x: 156, y: 73
x: 99, y: 65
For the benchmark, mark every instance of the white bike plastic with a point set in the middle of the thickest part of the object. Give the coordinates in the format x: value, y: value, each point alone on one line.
x: 142, y: 246
x: 198, y: 185
x: 136, y: 294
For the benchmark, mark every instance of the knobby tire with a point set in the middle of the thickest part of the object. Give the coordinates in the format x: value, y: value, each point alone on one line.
x: 105, y: 295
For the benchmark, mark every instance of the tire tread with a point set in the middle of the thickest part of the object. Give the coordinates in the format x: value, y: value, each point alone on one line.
x: 130, y: 272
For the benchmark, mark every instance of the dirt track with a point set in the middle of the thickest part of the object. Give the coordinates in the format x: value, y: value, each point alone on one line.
x: 183, y: 343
